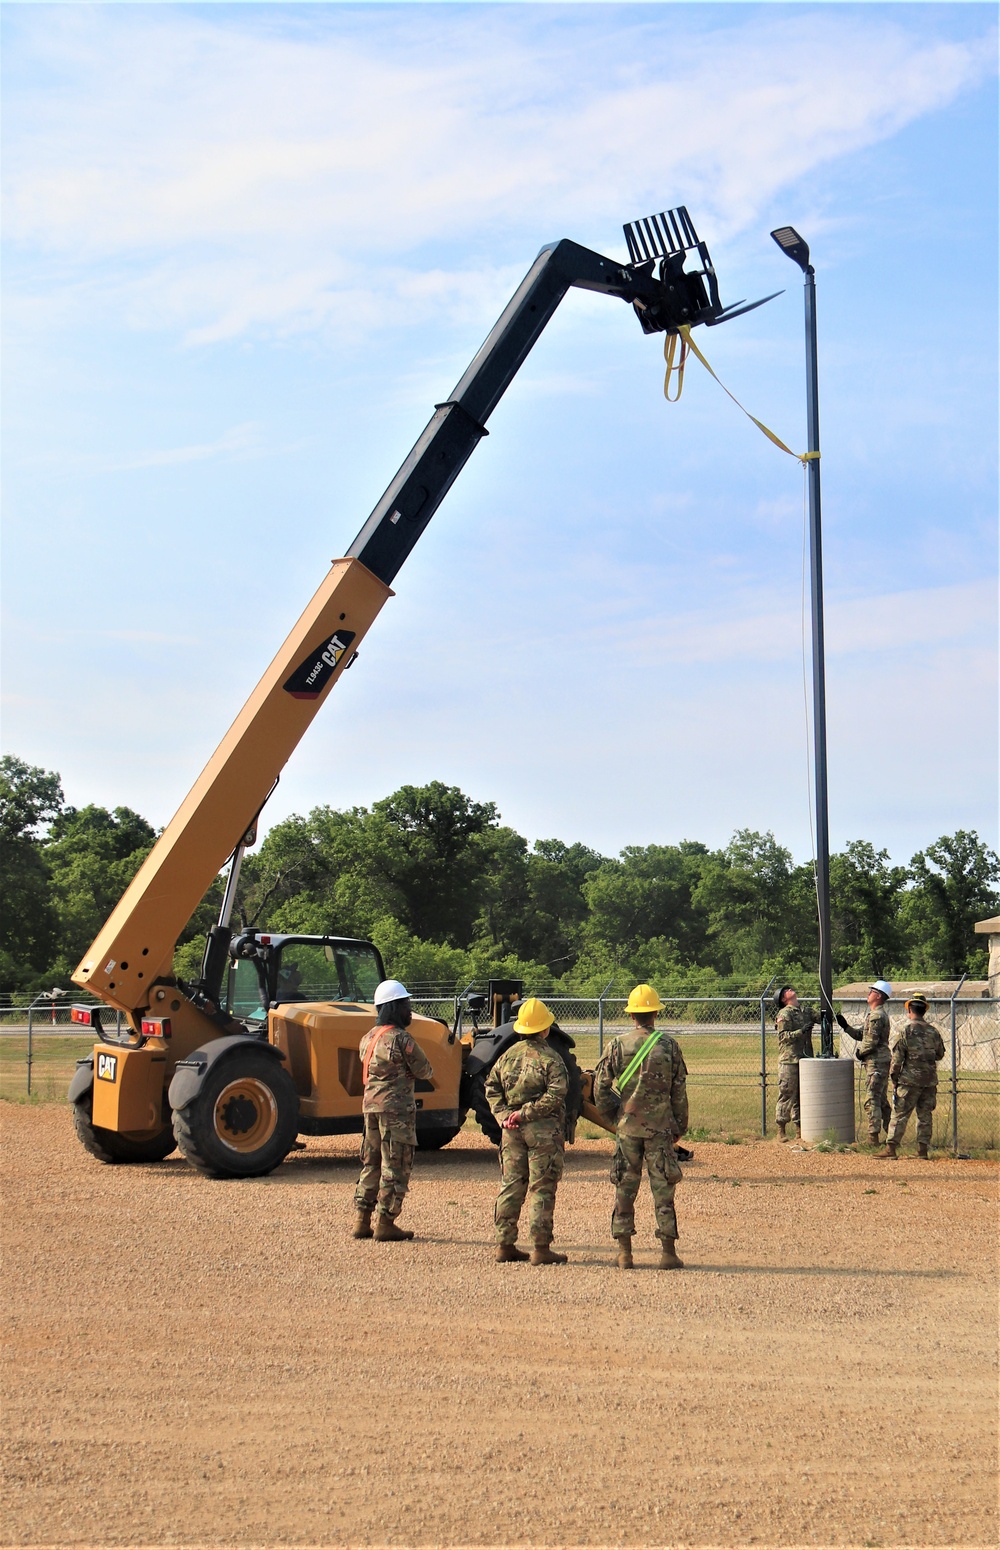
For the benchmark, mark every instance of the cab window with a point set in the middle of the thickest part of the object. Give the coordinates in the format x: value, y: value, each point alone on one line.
x: 313, y: 971
x: 243, y: 993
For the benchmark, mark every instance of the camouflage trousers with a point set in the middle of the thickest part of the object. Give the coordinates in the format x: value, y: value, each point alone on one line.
x: 877, y: 1105
x: 531, y: 1164
x: 386, y: 1162
x: 907, y: 1098
x: 664, y: 1174
x: 787, y: 1106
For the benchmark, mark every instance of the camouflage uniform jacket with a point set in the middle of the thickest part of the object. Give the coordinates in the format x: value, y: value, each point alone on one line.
x: 397, y: 1062
x: 795, y: 1025
x: 874, y: 1036
x: 916, y: 1050
x: 654, y: 1099
x: 530, y: 1077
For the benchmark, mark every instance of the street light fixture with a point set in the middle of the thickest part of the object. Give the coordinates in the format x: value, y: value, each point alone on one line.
x: 797, y: 250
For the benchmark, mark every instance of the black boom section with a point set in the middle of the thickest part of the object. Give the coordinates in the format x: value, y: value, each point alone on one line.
x: 458, y: 425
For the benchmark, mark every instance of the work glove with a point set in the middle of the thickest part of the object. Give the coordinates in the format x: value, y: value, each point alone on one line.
x: 842, y: 1020
x: 857, y: 1054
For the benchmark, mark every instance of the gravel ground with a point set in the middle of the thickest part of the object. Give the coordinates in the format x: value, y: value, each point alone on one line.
x: 193, y: 1362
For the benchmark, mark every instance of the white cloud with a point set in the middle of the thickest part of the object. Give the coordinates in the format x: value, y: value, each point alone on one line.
x: 921, y: 620
x: 204, y: 157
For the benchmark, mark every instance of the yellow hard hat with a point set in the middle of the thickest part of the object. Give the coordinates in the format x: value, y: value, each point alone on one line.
x: 534, y: 1017
x: 643, y: 999
x: 917, y: 1000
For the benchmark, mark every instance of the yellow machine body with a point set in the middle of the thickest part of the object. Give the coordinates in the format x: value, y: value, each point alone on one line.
x: 129, y: 1085
x: 320, y: 1041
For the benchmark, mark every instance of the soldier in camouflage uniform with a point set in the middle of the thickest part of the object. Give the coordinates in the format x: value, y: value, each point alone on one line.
x: 526, y: 1091
x: 794, y: 1026
x: 391, y: 1062
x: 650, y: 1108
x: 915, y: 1052
x: 873, y: 1052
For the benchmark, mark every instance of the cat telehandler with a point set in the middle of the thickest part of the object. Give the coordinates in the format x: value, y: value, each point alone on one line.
x: 263, y: 1047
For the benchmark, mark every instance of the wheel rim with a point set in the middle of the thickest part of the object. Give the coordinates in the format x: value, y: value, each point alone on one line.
x: 246, y: 1115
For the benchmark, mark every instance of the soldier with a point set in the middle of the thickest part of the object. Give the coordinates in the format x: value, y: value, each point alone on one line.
x: 794, y: 1026
x: 873, y: 1052
x: 391, y: 1061
x: 526, y: 1091
x: 915, y: 1051
x: 650, y: 1107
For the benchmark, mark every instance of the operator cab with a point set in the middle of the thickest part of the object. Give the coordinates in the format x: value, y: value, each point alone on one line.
x: 269, y: 969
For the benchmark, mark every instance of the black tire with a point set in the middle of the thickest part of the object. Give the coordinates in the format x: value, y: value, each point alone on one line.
x: 243, y: 1120
x: 481, y: 1109
x: 109, y: 1146
x: 434, y: 1140
x: 563, y: 1044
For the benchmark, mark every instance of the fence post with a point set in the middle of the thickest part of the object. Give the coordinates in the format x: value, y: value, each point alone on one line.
x: 954, y: 1069
x: 763, y: 1056
x: 600, y: 1017
x: 29, y: 1049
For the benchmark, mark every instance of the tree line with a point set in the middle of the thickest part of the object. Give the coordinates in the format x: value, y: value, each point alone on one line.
x: 451, y: 895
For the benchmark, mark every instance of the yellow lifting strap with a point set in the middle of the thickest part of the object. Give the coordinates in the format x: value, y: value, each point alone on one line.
x: 688, y: 344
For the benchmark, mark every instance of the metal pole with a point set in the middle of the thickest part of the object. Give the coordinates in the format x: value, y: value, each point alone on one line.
x: 819, y: 675
x: 763, y: 1055
x: 29, y: 1049
x: 600, y: 1017
x: 954, y: 1068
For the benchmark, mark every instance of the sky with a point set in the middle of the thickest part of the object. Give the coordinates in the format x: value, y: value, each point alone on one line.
x: 248, y: 248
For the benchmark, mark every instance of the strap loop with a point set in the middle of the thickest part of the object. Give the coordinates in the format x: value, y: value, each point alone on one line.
x: 687, y: 343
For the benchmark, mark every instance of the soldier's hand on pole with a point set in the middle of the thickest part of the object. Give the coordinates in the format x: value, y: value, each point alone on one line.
x: 842, y: 1020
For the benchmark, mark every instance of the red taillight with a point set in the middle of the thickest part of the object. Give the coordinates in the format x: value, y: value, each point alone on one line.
x: 157, y: 1027
x: 266, y: 940
x: 80, y: 1014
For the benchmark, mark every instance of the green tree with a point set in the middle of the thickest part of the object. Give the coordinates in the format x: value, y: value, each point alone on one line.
x: 650, y: 892
x: 759, y: 907
x: 865, y: 898
x: 953, y: 886
x: 92, y: 855
x: 30, y: 799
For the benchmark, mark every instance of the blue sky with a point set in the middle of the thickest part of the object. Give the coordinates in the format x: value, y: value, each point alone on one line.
x: 247, y: 248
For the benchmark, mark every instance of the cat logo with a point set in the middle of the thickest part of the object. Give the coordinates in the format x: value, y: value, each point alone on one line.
x: 107, y: 1068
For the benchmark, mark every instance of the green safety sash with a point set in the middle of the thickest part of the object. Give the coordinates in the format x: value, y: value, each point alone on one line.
x: 637, y: 1060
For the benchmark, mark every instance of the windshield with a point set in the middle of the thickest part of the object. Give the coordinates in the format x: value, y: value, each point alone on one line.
x: 312, y: 971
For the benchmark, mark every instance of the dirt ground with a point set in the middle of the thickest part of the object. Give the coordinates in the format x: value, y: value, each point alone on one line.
x: 197, y: 1362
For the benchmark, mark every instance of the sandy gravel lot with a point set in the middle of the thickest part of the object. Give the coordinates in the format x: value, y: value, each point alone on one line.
x: 196, y: 1362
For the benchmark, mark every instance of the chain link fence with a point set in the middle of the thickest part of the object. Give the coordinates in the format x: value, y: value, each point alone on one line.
x: 729, y: 1044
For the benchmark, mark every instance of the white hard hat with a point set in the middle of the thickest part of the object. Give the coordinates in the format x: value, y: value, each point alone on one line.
x: 883, y: 986
x: 390, y: 990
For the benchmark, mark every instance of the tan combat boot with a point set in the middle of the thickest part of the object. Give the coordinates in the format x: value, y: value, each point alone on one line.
x: 362, y: 1225
x: 782, y: 1133
x: 510, y: 1254
x: 668, y: 1256
x: 625, y: 1251
x: 890, y: 1150
x: 386, y: 1230
x: 922, y: 1149
x: 542, y: 1254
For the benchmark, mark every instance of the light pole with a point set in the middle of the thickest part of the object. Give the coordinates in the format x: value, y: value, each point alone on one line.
x: 797, y: 250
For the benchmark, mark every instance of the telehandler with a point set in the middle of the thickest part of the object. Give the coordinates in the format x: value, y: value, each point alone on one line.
x: 263, y: 1047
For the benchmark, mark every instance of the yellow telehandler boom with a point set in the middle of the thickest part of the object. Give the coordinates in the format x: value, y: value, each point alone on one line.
x: 231, y: 1089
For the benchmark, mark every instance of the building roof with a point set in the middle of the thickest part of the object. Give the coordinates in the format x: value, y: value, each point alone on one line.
x: 934, y: 990
x: 993, y: 924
